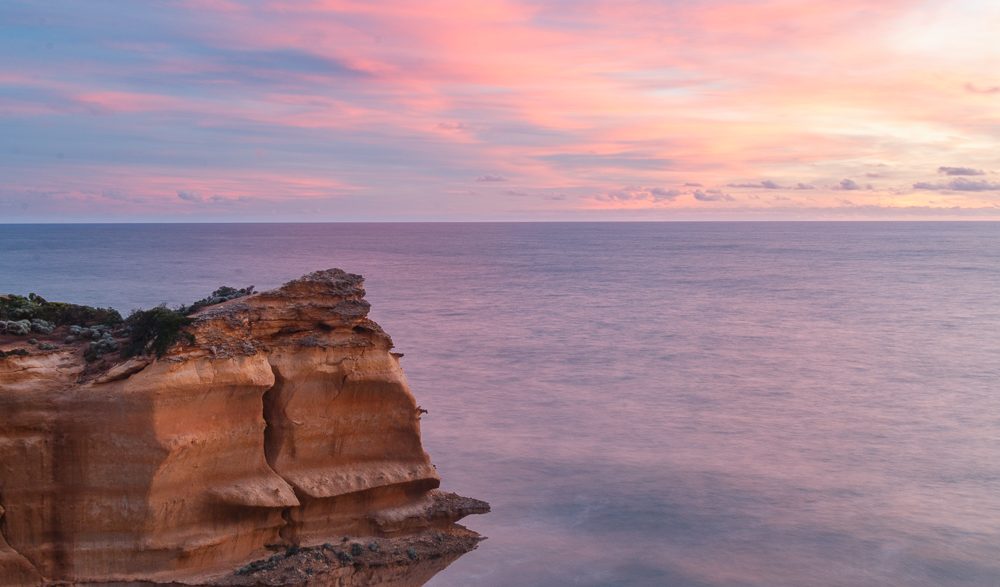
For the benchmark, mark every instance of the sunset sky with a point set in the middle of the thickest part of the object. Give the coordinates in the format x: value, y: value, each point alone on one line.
x: 327, y: 110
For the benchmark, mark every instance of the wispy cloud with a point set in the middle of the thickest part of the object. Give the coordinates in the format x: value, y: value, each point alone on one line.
x: 631, y: 161
x: 847, y: 185
x: 641, y: 194
x: 712, y: 196
x: 766, y: 184
x: 982, y: 89
x: 960, y: 171
x: 960, y: 184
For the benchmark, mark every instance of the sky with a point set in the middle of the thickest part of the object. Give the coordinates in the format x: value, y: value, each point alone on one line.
x: 372, y: 110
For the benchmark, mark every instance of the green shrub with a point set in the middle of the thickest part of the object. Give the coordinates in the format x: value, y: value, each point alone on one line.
x: 155, y: 330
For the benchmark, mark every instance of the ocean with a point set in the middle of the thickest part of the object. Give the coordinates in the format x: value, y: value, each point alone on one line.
x: 682, y: 404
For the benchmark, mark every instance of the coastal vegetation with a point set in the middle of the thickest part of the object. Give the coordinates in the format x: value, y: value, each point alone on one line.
x: 144, y: 332
x: 35, y: 307
x: 157, y: 329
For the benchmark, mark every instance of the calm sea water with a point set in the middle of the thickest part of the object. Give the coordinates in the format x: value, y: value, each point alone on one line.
x: 705, y: 404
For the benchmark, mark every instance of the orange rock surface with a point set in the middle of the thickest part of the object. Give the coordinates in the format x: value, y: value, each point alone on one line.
x: 287, y: 421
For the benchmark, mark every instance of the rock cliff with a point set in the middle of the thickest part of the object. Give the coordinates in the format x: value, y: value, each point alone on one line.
x: 280, y: 421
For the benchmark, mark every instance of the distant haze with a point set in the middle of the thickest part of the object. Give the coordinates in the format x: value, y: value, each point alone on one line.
x: 327, y: 110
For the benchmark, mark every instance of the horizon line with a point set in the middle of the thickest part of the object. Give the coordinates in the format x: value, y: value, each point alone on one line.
x: 660, y: 221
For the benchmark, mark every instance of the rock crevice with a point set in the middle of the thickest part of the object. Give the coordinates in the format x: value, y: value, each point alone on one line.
x: 269, y: 407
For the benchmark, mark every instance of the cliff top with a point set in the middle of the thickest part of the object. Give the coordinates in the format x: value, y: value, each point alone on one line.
x: 322, y: 308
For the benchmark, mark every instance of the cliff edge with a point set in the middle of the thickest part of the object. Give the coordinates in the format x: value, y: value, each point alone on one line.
x: 262, y: 443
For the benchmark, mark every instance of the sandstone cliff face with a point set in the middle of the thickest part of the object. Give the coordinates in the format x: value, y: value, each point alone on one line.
x: 287, y: 421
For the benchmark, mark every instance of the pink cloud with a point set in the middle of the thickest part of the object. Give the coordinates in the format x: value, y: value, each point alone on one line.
x: 583, y: 101
x: 107, y: 101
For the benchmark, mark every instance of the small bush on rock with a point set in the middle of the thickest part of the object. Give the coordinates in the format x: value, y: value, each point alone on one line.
x: 100, y: 347
x: 155, y: 330
x: 42, y: 326
x: 16, y: 327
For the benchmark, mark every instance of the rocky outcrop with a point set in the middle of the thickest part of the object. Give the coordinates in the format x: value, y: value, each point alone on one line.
x: 284, y: 422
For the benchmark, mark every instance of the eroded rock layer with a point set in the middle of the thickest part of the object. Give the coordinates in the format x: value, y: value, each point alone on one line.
x: 286, y: 421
